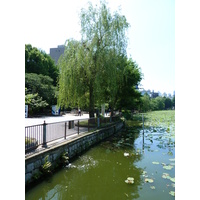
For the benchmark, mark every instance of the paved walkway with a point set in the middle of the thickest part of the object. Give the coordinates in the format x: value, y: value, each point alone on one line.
x: 51, y: 119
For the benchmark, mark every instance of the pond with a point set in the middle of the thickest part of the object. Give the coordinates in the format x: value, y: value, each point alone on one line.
x: 129, y: 165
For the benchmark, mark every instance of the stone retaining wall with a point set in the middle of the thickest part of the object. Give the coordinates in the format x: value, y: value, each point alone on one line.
x: 74, y: 147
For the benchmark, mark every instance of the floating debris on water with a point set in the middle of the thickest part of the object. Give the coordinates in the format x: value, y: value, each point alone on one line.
x: 129, y: 180
x: 126, y: 154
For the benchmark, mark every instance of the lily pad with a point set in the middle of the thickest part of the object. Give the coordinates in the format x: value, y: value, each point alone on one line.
x: 129, y: 180
x: 172, y: 164
x: 148, y: 180
x: 153, y: 187
x: 170, y: 153
x: 166, y: 176
x: 172, y: 193
x: 155, y: 163
x: 144, y: 172
x: 168, y: 167
x: 172, y: 179
x: 172, y: 159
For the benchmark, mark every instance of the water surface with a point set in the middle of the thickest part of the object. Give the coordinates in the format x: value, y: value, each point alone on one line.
x: 100, y: 173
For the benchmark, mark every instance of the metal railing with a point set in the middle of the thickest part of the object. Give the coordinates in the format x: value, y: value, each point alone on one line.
x: 44, y: 133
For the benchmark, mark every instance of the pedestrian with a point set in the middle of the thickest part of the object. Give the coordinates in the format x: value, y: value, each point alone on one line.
x: 79, y: 112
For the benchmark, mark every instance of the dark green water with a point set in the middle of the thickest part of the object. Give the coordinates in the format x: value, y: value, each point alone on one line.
x: 100, y: 173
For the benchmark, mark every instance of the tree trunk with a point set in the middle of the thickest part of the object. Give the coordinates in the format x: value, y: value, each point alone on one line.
x: 112, y: 113
x: 91, y: 103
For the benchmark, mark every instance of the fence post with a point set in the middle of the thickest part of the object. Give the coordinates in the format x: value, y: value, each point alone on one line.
x: 110, y: 118
x: 44, y: 135
x: 98, y: 122
x: 88, y: 124
x: 143, y: 123
x: 78, y: 127
x: 143, y: 132
x: 65, y: 130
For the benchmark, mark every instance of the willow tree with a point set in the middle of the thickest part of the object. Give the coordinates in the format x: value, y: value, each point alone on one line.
x: 90, y: 69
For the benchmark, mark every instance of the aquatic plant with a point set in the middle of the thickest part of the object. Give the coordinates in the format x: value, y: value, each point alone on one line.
x: 64, y: 159
x: 46, y: 167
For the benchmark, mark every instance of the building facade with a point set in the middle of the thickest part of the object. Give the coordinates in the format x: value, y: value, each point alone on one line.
x: 55, y: 53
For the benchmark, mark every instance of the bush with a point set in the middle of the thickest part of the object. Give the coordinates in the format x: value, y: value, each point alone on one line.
x: 126, y: 114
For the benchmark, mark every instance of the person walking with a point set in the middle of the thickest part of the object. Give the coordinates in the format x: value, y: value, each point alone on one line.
x: 79, y: 112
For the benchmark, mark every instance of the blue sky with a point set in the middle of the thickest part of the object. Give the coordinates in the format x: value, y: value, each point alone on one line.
x: 151, y: 35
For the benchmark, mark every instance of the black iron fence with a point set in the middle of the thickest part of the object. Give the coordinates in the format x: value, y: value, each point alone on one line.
x: 44, y: 133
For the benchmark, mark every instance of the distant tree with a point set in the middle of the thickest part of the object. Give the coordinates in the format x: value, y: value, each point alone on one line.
x: 145, y: 103
x: 168, y: 103
x: 91, y: 69
x: 173, y: 101
x: 157, y: 103
x: 42, y: 86
x: 39, y: 62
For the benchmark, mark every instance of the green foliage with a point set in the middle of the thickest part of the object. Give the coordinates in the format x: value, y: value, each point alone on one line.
x: 145, y: 103
x: 41, y: 76
x: 41, y: 85
x: 128, y: 96
x: 96, y: 70
x: 29, y: 141
x: 40, y: 63
x: 158, y: 103
x: 127, y: 114
x: 168, y: 103
x: 64, y: 159
x: 46, y: 167
x: 173, y: 101
x: 34, y: 101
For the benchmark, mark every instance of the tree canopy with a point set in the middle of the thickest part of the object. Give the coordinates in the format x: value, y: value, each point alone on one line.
x: 158, y: 103
x: 41, y: 76
x: 39, y: 62
x: 128, y: 97
x: 42, y: 85
x: 92, y: 69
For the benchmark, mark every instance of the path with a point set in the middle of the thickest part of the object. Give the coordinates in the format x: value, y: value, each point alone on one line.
x: 51, y: 119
